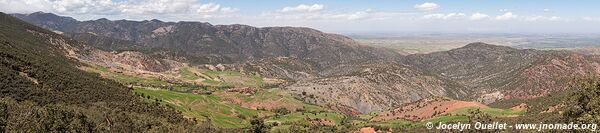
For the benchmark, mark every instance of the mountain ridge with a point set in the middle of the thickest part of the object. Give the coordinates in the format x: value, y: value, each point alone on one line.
x: 226, y: 43
x: 335, y: 71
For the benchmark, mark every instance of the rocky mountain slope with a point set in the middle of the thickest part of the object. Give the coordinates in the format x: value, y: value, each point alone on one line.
x: 42, y: 89
x: 377, y: 86
x: 499, y: 72
x: 296, y: 54
x: 328, y: 69
x: 207, y: 44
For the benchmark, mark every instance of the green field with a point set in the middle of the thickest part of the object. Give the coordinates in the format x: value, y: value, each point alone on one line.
x: 229, y: 115
x: 204, y: 107
x: 187, y: 74
x: 217, y: 108
x: 300, y: 116
x: 232, y: 78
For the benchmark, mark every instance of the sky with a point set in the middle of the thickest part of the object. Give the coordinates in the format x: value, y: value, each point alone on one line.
x: 344, y: 16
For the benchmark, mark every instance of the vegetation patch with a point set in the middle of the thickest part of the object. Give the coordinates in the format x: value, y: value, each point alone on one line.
x: 187, y: 74
x: 207, y: 108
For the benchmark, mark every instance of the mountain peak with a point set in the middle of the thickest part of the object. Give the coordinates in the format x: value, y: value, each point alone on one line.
x: 46, y: 15
x: 102, y: 19
x: 39, y: 12
x: 48, y: 20
x: 156, y: 20
x: 482, y: 45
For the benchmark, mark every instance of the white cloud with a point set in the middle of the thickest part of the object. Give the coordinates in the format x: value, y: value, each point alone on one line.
x: 427, y: 6
x: 348, y: 16
x: 546, y: 10
x: 207, y: 8
x: 190, y: 8
x: 478, y: 16
x: 63, y: 6
x: 85, y: 6
x: 542, y: 18
x: 23, y: 6
x: 503, y: 10
x: 367, y: 14
x: 229, y: 10
x: 304, y: 8
x: 172, y: 7
x: 507, y: 16
x: 305, y: 12
x: 445, y: 16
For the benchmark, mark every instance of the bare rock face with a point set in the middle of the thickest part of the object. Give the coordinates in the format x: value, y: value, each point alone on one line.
x: 130, y: 60
x: 378, y: 87
x: 291, y: 69
x: 220, y: 67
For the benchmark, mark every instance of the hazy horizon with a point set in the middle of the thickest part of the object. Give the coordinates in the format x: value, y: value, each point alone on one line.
x: 414, y: 16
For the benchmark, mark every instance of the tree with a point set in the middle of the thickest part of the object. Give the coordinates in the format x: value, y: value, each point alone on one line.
x: 281, y: 111
x: 584, y: 104
x: 476, y: 115
x: 258, y: 125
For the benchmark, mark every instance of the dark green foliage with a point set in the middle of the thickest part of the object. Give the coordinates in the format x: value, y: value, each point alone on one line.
x: 26, y: 116
x: 281, y: 111
x: 584, y: 104
x: 258, y: 125
x: 3, y: 116
x: 538, y: 104
x: 476, y: 115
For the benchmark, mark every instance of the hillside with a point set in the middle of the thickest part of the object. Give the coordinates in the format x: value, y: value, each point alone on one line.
x: 42, y: 89
x: 319, y: 62
x: 321, y: 68
x: 500, y: 72
x: 203, y: 43
x: 285, y: 78
x: 376, y: 86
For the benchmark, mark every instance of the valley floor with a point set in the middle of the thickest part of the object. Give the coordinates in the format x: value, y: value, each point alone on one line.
x: 229, y: 99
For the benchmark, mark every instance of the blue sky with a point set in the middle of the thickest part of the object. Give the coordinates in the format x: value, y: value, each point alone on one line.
x: 348, y: 16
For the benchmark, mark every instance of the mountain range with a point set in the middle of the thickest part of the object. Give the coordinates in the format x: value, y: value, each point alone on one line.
x: 48, y: 68
x: 333, y: 69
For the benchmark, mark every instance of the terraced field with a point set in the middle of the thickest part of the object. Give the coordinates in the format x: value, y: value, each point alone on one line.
x: 231, y: 78
x: 220, y: 111
x: 205, y: 107
x: 187, y: 74
x: 227, y: 109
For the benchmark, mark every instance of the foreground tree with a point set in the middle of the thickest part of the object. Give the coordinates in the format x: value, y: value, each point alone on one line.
x: 584, y: 103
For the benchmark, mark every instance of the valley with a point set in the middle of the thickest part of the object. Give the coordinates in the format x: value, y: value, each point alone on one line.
x: 199, y: 77
x: 232, y: 105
